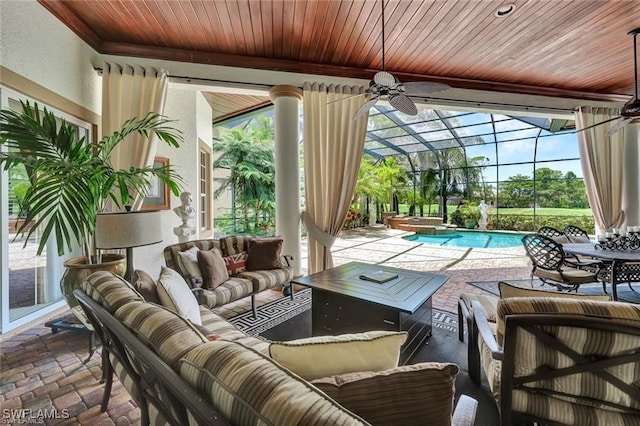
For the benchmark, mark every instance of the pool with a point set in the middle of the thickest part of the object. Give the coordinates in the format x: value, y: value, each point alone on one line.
x: 475, y: 239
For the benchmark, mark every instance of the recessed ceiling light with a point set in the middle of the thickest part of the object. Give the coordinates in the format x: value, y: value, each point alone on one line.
x: 505, y: 10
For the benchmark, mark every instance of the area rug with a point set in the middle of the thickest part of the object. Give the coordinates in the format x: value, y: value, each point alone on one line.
x: 281, y: 310
x: 624, y: 293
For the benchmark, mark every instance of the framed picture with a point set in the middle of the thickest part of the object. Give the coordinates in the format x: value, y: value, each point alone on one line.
x: 158, y: 197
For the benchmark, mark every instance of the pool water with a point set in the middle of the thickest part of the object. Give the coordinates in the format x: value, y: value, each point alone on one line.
x: 474, y: 239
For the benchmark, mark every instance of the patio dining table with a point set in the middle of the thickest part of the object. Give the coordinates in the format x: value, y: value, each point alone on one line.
x: 618, y: 259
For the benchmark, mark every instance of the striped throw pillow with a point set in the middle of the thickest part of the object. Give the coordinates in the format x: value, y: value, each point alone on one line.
x: 408, y: 395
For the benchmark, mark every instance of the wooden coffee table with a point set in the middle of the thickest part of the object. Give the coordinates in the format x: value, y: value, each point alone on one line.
x: 344, y: 303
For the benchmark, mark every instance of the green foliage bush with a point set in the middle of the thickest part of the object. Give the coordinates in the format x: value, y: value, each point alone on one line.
x: 526, y: 223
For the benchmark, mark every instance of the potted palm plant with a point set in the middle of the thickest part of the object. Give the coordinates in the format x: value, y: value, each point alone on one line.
x: 72, y: 180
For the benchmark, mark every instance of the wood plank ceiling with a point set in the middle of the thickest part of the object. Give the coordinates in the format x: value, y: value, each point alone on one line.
x: 563, y: 48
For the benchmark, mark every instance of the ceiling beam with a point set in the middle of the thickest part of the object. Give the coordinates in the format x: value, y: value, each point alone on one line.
x: 221, y: 59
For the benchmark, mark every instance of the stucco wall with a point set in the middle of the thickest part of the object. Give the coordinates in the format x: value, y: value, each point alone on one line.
x: 34, y: 44
x: 192, y: 115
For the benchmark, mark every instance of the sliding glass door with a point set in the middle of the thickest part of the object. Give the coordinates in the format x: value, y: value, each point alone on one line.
x: 30, y: 283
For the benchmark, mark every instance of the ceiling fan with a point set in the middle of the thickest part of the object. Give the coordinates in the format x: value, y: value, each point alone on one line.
x: 385, y: 86
x: 630, y: 110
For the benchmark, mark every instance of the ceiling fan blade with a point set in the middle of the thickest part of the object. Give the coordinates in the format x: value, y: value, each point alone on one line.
x: 423, y: 88
x: 618, y: 126
x: 403, y: 104
x: 364, y: 108
x: 383, y: 78
x: 347, y: 97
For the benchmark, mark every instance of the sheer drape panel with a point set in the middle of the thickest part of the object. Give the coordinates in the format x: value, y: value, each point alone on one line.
x: 333, y: 148
x: 601, y: 157
x: 128, y: 92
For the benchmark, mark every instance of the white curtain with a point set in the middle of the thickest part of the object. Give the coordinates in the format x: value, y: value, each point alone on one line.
x: 127, y: 92
x: 333, y: 148
x: 601, y: 157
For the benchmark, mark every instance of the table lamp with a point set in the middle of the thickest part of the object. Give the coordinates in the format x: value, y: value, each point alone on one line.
x: 126, y: 230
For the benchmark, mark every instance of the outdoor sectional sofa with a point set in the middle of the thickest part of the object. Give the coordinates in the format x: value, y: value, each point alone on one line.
x: 180, y: 373
x: 240, y: 253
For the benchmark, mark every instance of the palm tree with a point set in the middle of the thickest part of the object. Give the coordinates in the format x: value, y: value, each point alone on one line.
x: 71, y: 179
x: 248, y: 155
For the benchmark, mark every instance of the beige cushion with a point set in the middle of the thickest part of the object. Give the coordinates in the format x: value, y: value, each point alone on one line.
x: 569, y: 275
x: 248, y: 388
x: 509, y: 290
x: 561, y: 239
x: 175, y: 294
x: 188, y: 262
x: 488, y: 302
x: 146, y: 286
x: 323, y: 356
x: 407, y: 395
x: 264, y: 254
x: 579, y: 239
x: 214, y: 271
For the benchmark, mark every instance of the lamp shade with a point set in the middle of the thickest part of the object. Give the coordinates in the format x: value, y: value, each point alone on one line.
x: 128, y: 229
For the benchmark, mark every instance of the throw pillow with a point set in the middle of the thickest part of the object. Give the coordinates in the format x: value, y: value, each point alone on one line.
x: 509, y: 290
x: 264, y: 254
x: 175, y: 294
x: 188, y: 262
x: 214, y: 271
x: 406, y: 395
x: 146, y: 286
x: 236, y: 263
x: 323, y: 356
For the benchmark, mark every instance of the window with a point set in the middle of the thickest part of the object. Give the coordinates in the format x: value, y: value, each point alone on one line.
x: 204, y: 190
x: 30, y: 283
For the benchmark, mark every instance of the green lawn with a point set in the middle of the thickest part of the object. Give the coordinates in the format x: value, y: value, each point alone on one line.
x: 404, y: 209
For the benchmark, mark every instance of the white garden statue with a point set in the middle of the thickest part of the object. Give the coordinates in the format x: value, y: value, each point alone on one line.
x: 483, y: 210
x: 186, y: 212
x: 482, y: 223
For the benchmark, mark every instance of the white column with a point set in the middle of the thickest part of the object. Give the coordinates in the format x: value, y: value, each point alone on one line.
x: 631, y: 185
x: 286, y: 100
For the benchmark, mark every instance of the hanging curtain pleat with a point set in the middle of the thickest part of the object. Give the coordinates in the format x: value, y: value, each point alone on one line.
x: 601, y: 157
x: 127, y: 92
x: 333, y: 149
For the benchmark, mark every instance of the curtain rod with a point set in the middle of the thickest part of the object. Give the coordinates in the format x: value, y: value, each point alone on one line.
x: 462, y: 102
x: 188, y: 79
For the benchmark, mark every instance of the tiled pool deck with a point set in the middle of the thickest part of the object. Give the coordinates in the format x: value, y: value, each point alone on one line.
x: 387, y: 247
x: 39, y: 370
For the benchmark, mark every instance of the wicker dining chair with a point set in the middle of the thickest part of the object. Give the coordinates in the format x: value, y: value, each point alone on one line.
x: 576, y: 234
x: 575, y: 261
x: 549, y: 231
x: 550, y: 265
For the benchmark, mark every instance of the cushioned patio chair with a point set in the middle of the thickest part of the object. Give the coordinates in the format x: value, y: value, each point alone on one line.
x: 576, y: 234
x: 550, y: 265
x: 560, y: 237
x: 562, y: 361
x: 551, y: 232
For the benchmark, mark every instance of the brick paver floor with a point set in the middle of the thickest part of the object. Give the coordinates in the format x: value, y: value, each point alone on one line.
x: 44, y: 371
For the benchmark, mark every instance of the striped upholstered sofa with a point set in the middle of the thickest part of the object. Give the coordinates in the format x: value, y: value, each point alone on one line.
x: 213, y: 374
x: 562, y: 361
x: 241, y: 282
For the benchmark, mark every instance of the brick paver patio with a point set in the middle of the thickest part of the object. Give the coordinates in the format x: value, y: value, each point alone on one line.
x: 44, y: 371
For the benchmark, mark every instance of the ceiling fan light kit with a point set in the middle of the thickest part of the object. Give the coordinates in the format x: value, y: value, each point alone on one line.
x: 386, y: 86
